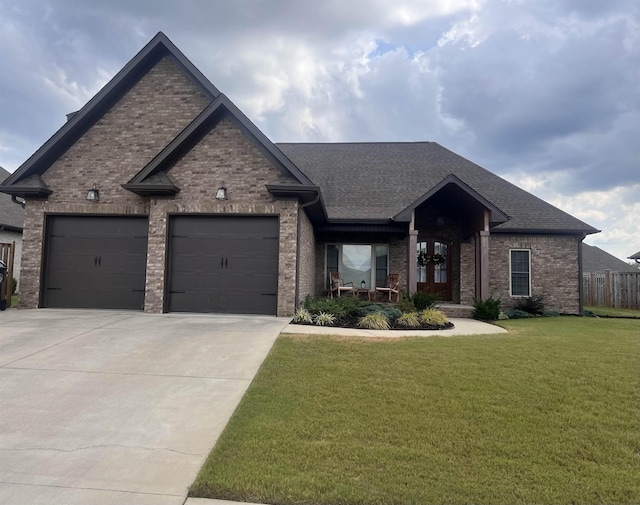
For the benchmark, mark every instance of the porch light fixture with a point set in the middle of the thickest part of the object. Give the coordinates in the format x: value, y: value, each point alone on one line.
x: 221, y: 194
x: 93, y: 195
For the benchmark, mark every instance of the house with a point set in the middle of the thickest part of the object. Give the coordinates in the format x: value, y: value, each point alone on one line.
x: 635, y: 257
x: 160, y: 194
x: 597, y: 260
x: 11, y: 218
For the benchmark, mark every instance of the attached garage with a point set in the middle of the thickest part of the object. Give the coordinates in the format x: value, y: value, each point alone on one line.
x: 96, y: 262
x: 223, y: 264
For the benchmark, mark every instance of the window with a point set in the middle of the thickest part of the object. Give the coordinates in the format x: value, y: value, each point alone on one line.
x: 520, y: 271
x: 358, y: 263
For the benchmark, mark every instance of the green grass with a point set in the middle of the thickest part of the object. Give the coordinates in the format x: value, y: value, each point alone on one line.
x: 548, y: 413
x: 614, y: 312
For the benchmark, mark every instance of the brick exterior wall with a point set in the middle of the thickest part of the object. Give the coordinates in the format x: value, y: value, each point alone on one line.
x: 307, y: 259
x: 122, y: 142
x: 467, y: 271
x: 554, y: 269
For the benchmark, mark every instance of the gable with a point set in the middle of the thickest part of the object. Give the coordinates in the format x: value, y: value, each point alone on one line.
x: 127, y: 136
x: 160, y: 47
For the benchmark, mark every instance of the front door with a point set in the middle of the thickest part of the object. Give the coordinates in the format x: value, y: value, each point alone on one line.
x: 434, y: 268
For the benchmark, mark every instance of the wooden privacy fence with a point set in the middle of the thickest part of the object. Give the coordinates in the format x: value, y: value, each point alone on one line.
x: 7, y: 252
x: 612, y: 289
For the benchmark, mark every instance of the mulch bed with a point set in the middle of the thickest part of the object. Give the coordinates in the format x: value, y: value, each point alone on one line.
x: 352, y: 322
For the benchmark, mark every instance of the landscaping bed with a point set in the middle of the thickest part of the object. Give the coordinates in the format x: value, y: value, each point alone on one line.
x: 409, y: 313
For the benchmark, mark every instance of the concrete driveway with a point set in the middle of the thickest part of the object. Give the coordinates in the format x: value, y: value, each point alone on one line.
x: 108, y: 407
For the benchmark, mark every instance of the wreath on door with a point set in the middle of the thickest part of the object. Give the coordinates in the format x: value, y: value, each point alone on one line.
x: 425, y: 258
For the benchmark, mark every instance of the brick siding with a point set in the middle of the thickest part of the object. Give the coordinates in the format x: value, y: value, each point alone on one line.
x: 307, y: 259
x: 122, y: 142
x: 554, y: 269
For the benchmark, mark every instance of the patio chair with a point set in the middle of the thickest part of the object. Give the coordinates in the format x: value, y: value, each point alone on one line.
x: 337, y: 286
x: 391, y: 287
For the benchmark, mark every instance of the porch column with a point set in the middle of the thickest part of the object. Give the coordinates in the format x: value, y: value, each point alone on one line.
x: 482, y: 265
x: 412, y: 243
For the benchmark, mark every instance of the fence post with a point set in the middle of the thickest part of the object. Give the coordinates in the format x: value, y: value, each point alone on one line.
x: 607, y: 288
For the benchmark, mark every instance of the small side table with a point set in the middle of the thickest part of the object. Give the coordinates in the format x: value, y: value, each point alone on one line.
x: 363, y: 291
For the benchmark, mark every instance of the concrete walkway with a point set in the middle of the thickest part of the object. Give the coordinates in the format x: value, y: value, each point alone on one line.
x: 108, y: 407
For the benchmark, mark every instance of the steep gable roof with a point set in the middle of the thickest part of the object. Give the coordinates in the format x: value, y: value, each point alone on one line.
x: 11, y: 214
x: 595, y: 259
x: 144, y: 181
x: 78, y: 124
x: 361, y: 181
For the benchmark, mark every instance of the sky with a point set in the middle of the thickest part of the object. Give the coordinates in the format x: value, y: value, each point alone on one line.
x: 545, y: 93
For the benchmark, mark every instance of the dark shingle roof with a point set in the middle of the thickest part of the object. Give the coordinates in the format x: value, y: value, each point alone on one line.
x: 11, y: 214
x: 595, y: 259
x: 379, y: 180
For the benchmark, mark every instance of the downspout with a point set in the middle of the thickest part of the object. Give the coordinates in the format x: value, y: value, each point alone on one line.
x: 298, y: 227
x: 580, y: 280
x: 14, y: 199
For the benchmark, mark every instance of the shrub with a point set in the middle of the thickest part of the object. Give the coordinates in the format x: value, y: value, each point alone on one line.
x: 502, y: 316
x: 486, y: 310
x: 532, y: 304
x: 392, y: 313
x: 375, y: 321
x: 339, y: 306
x: 551, y: 313
x: 302, y: 316
x: 409, y: 319
x: 371, y: 308
x: 589, y: 313
x: 405, y: 304
x: 434, y: 317
x: 422, y: 301
x: 517, y: 314
x: 324, y: 319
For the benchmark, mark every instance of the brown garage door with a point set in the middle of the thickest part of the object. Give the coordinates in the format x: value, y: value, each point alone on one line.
x: 223, y: 264
x: 96, y: 262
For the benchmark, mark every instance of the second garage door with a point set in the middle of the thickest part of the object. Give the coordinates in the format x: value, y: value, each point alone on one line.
x: 223, y: 264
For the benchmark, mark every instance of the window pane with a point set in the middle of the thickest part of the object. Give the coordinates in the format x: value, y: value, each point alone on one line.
x: 382, y: 255
x: 356, y: 264
x: 332, y: 261
x: 520, y: 274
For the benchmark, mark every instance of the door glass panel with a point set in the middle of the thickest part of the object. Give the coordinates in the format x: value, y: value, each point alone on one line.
x: 440, y: 271
x: 356, y: 264
x: 421, y: 272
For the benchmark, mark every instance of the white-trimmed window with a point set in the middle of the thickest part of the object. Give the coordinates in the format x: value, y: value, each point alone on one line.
x: 363, y: 264
x: 520, y: 272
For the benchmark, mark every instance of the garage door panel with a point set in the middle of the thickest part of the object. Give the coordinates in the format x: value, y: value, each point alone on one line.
x: 225, y: 264
x: 95, y: 262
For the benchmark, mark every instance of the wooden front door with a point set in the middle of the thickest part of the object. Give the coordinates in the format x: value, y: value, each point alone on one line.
x: 434, y: 274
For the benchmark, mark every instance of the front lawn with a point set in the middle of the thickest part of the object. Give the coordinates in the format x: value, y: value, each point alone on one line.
x: 545, y: 414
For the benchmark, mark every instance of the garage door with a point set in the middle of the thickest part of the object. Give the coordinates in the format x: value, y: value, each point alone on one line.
x: 95, y: 262
x: 224, y: 264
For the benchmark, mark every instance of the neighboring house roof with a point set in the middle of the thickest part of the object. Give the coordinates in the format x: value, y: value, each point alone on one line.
x: 11, y: 214
x: 595, y: 259
x: 361, y: 181
x: 635, y: 256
